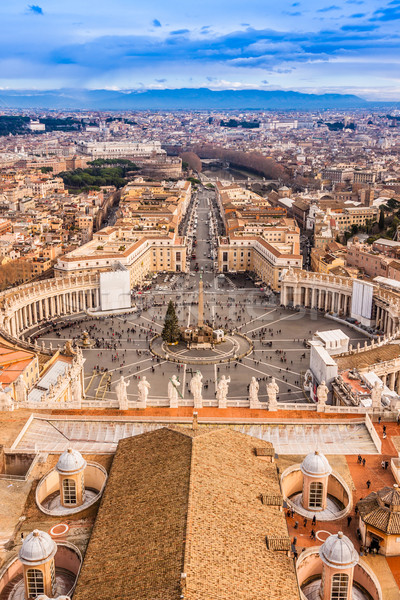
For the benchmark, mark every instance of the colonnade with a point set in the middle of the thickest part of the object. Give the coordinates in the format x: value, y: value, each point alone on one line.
x: 334, y: 294
x: 312, y: 297
x: 26, y: 306
x: 385, y: 321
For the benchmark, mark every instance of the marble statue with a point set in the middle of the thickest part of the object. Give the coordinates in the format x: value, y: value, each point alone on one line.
x: 196, y: 388
x: 222, y: 391
x: 6, y: 399
x: 79, y: 357
x: 21, y: 390
x: 253, y: 392
x: 272, y: 391
x: 76, y: 390
x: 122, y: 395
x: 322, y: 394
x: 376, y: 396
x: 173, y: 385
x: 143, y: 390
x: 68, y: 349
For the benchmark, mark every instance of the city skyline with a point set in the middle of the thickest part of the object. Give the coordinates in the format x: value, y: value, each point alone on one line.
x: 345, y: 47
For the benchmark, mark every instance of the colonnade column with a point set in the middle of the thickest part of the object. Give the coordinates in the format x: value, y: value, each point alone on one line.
x: 391, y: 381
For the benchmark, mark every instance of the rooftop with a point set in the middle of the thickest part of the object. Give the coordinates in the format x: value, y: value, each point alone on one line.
x: 365, y: 359
x: 211, y: 525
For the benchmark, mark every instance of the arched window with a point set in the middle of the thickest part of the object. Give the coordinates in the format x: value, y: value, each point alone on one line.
x: 340, y: 586
x: 316, y: 491
x: 35, y: 583
x: 69, y: 491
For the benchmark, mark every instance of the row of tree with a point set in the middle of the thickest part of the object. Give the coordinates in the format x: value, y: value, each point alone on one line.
x: 251, y: 161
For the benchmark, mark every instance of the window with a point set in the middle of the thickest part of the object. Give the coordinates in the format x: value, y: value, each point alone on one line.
x: 340, y: 584
x: 316, y: 489
x: 69, y: 491
x: 35, y: 583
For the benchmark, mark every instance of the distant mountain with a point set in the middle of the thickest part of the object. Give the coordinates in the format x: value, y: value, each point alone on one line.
x: 175, y: 99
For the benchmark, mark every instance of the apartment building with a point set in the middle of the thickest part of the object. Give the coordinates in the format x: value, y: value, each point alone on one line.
x: 256, y: 254
x: 343, y: 219
x: 141, y: 255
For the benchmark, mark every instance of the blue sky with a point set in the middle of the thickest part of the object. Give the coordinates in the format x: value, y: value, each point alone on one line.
x: 351, y: 46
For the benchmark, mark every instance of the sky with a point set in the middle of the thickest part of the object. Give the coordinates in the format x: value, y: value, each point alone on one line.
x: 349, y: 46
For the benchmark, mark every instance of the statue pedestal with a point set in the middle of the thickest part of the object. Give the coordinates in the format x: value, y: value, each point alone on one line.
x: 198, y: 403
x: 140, y: 405
x: 222, y: 403
x: 174, y: 403
x: 272, y: 407
x: 320, y: 407
x: 257, y: 404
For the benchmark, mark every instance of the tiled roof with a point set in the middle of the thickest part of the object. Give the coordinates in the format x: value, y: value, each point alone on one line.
x: 183, y: 501
x: 367, y: 358
x: 379, y: 516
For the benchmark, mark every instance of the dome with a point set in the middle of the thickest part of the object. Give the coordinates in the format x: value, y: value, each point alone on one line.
x: 70, y: 462
x: 390, y: 495
x: 316, y: 464
x: 338, y: 552
x: 37, y: 548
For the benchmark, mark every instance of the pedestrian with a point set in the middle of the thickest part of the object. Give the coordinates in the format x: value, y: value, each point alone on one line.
x: 359, y: 459
x: 363, y: 462
x: 379, y: 420
x: 349, y: 520
x: 368, y: 484
x: 296, y: 525
x: 312, y: 534
x: 305, y: 522
x: 386, y: 464
x: 314, y: 520
x: 384, y: 435
x: 384, y: 429
x: 383, y: 464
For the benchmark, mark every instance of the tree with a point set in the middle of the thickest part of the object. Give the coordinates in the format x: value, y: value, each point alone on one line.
x: 382, y: 219
x: 171, y: 332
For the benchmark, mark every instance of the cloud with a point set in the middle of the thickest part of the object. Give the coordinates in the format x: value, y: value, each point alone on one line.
x: 357, y: 16
x: 179, y: 32
x: 156, y: 23
x: 358, y: 28
x: 328, y: 8
x: 390, y: 13
x: 161, y: 80
x: 35, y: 9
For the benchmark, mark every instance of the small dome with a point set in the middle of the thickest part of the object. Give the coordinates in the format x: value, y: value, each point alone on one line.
x: 70, y: 462
x: 338, y: 552
x: 316, y: 464
x: 390, y: 495
x: 37, y: 548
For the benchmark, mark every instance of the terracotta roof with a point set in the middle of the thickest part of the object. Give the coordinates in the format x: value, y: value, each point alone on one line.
x: 374, y: 512
x: 183, y: 501
x: 368, y: 358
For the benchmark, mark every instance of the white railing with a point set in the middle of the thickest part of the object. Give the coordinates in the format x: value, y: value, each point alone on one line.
x: 373, y: 433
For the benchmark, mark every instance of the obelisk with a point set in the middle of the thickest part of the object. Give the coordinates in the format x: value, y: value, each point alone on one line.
x: 200, y: 321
